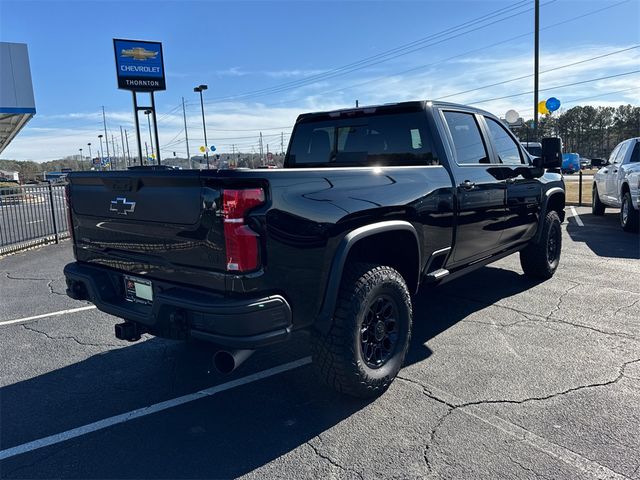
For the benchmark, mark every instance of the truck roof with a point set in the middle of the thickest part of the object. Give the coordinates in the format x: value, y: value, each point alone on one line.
x: 399, y: 107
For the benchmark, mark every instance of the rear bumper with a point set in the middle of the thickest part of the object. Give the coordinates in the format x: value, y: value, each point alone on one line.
x: 181, y: 312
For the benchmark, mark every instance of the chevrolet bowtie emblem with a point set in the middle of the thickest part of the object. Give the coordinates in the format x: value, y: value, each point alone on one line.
x: 122, y: 206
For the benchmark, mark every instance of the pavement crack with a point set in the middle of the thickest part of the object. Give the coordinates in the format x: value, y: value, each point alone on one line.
x: 561, y: 297
x: 452, y: 407
x: 625, y: 306
x: 330, y: 460
x: 534, y: 317
x: 70, y: 337
x: 52, y: 291
x: 11, y: 277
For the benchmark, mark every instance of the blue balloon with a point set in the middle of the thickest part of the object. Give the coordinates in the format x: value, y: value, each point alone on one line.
x: 552, y: 104
x: 213, y: 148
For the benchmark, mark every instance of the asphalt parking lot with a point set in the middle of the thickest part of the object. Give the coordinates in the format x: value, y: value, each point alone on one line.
x: 506, y: 378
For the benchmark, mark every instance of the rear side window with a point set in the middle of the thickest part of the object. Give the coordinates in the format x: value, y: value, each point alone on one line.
x: 467, y: 140
x: 390, y: 139
x: 506, y: 147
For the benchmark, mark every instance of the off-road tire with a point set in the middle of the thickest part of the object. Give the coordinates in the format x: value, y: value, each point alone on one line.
x: 338, y: 354
x: 536, y: 259
x: 597, y: 207
x: 631, y: 222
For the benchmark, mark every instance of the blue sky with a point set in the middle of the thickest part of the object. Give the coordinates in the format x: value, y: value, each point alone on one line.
x: 242, y: 47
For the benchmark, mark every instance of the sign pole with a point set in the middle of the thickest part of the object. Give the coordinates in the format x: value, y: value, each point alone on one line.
x: 155, y: 127
x: 536, y: 73
x: 135, y: 109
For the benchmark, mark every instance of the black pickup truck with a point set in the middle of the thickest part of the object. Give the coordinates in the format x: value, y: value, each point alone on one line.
x: 372, y: 203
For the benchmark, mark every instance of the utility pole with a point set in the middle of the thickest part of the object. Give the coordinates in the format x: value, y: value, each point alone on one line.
x: 536, y: 56
x: 186, y: 135
x: 261, y: 157
x: 101, y: 152
x: 357, y: 103
x: 199, y: 89
x: 122, y: 143
x: 282, y: 143
x: 146, y: 150
x: 90, y: 157
x: 81, y: 160
x: 106, y: 137
x: 126, y: 137
x: 113, y: 144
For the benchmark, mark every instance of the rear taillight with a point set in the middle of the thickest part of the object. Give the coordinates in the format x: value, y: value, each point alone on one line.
x: 67, y: 197
x: 242, y: 243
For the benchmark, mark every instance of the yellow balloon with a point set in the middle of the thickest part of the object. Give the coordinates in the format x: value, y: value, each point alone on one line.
x: 542, y: 107
x: 202, y: 149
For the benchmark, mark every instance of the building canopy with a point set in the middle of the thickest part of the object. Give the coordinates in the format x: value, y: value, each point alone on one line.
x: 17, y: 104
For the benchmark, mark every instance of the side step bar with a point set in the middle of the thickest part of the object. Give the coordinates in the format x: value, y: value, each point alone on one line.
x: 437, y: 275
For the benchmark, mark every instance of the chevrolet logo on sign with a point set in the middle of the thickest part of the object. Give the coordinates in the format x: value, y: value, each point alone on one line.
x: 122, y: 206
x: 138, y: 53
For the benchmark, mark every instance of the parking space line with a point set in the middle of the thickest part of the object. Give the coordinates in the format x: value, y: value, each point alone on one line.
x: 575, y: 215
x: 45, y: 315
x: 151, y: 409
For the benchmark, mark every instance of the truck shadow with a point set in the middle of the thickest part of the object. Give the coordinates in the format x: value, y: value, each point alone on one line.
x: 604, y: 236
x: 226, y: 435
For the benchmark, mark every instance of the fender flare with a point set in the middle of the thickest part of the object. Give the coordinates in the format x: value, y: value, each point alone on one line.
x: 543, y: 210
x: 323, y: 321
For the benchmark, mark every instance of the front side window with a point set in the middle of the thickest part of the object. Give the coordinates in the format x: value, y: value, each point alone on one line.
x: 467, y: 140
x: 506, y: 147
x: 621, y: 153
x: 612, y: 157
x: 384, y: 139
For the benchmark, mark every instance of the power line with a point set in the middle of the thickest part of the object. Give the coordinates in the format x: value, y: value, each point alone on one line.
x: 555, y: 87
x: 591, y: 97
x: 463, y: 54
x: 559, y: 67
x: 388, y: 55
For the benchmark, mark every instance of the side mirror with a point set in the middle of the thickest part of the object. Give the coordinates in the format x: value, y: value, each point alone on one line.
x: 551, y: 153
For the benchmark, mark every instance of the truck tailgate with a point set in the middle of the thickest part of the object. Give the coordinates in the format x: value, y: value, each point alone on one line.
x: 158, y: 223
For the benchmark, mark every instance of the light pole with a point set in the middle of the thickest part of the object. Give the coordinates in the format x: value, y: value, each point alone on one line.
x: 101, y: 151
x: 90, y: 159
x: 81, y: 160
x: 200, y: 89
x: 148, y: 113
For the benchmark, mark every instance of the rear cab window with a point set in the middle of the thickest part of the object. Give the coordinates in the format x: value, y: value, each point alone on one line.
x: 468, y: 143
x: 375, y: 139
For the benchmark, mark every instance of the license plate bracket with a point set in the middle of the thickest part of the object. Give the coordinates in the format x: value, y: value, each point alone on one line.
x: 138, y: 290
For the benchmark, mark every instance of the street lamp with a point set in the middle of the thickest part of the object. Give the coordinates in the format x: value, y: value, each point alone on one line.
x: 101, y: 151
x: 148, y: 113
x: 200, y: 89
x: 81, y: 159
x: 90, y: 159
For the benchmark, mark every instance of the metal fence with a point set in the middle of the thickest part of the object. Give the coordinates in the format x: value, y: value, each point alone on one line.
x: 31, y: 215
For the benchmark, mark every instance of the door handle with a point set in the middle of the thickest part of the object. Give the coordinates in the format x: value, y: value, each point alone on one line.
x: 467, y: 185
x: 605, y: 171
x: 615, y: 171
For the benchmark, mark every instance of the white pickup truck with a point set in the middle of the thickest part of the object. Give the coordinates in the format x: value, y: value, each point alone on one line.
x: 617, y: 184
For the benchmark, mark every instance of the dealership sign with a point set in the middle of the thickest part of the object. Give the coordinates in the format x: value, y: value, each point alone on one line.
x: 139, y: 65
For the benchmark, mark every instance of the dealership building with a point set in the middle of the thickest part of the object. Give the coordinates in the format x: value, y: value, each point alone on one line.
x: 17, y: 104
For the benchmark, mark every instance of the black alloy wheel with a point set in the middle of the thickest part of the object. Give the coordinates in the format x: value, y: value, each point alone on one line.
x: 379, y: 331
